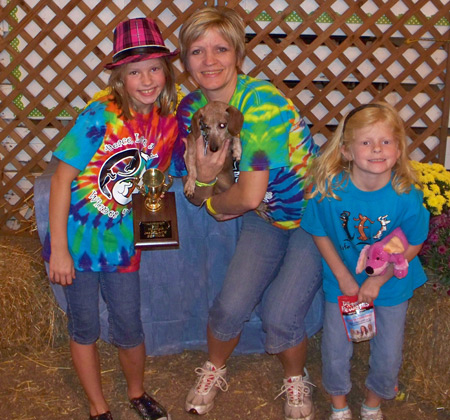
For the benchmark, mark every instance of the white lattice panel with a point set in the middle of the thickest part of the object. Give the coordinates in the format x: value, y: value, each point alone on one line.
x: 326, y: 57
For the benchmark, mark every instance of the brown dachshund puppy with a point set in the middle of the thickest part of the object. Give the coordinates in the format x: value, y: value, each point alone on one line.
x: 216, y: 121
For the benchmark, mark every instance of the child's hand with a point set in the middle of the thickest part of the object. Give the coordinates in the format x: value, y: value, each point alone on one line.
x: 348, y: 286
x: 369, y: 290
x: 61, y: 270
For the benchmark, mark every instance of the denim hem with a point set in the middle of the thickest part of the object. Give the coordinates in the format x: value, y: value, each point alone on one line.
x: 128, y: 346
x: 285, y: 346
x: 220, y: 336
x: 380, y: 394
x: 83, y: 342
x: 336, y: 393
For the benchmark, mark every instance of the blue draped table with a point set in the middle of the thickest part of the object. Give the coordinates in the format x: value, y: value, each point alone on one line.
x: 178, y: 286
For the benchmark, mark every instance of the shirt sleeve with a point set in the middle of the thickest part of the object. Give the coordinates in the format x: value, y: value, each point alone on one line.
x: 312, y: 219
x: 415, y: 222
x: 84, y: 138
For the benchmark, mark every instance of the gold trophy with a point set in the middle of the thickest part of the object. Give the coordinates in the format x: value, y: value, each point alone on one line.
x: 154, y: 212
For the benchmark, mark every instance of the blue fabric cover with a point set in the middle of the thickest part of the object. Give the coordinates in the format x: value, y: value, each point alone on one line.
x: 178, y: 286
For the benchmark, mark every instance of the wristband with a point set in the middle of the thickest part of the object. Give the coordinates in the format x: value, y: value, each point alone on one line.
x: 203, y: 184
x: 209, y: 207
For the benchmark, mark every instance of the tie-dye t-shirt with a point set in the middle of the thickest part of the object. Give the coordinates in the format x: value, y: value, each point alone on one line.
x: 110, y: 151
x: 274, y: 137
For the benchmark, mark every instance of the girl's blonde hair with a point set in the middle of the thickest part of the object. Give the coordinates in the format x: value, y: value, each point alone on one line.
x: 167, y: 100
x: 326, y: 168
x: 226, y: 21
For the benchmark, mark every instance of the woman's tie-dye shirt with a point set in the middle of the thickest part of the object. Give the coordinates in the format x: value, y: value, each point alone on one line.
x: 110, y: 151
x: 274, y: 137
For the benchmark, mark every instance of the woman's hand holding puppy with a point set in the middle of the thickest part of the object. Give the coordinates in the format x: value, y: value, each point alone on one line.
x: 209, y: 165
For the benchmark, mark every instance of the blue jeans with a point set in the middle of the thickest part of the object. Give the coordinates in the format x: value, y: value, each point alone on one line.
x: 121, y: 293
x: 385, y: 351
x: 282, y: 265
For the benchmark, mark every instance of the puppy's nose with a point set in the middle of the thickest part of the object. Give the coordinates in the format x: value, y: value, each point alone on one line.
x: 213, y: 148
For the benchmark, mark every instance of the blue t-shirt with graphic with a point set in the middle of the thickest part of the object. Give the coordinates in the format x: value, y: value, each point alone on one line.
x: 361, y: 218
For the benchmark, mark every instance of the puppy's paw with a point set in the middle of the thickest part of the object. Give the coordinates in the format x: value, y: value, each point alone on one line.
x: 189, y: 188
x: 236, y: 148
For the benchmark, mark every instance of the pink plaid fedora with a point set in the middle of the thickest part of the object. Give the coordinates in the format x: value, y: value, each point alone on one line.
x: 138, y: 39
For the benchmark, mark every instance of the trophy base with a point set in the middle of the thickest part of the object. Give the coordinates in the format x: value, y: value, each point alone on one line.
x: 158, y: 229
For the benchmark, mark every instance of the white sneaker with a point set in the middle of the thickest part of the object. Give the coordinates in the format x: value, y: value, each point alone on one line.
x: 368, y: 414
x: 298, y: 404
x: 200, y: 398
x: 341, y: 415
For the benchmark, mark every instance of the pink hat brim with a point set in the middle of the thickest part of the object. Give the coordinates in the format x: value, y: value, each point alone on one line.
x: 140, y: 57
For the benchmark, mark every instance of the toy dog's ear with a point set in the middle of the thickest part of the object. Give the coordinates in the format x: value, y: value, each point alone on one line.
x: 235, y: 120
x: 361, y: 264
x: 195, y: 124
x: 394, y: 246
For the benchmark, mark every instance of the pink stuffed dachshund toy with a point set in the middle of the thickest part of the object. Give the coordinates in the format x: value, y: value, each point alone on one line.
x: 375, y: 258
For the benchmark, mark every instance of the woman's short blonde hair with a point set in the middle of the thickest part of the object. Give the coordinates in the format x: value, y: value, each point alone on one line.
x: 226, y: 21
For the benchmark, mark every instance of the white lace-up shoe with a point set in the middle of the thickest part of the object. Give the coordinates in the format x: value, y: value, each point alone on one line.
x: 298, y: 404
x: 200, y: 398
x: 341, y: 415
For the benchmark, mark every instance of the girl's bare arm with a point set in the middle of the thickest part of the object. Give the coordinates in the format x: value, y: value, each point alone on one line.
x: 61, y: 264
x: 346, y: 281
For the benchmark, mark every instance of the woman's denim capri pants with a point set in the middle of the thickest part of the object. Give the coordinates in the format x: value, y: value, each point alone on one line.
x: 279, y: 268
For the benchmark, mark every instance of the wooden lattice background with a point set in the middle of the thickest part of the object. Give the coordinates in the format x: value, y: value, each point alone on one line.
x: 328, y: 56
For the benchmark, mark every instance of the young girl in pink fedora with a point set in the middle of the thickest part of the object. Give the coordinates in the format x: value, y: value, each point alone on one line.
x: 90, y: 245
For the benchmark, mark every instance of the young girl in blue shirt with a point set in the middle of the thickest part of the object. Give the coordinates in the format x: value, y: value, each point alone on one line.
x: 363, y: 190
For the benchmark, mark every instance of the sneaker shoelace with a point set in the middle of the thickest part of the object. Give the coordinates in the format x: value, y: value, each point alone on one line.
x: 209, y: 378
x: 296, y: 391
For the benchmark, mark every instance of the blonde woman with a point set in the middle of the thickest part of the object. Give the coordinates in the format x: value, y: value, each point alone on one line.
x: 273, y: 255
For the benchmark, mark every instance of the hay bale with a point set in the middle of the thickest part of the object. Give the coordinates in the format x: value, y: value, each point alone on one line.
x: 29, y: 315
x: 426, y: 357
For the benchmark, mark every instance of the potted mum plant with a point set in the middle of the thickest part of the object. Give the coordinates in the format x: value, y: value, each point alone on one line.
x: 435, y: 253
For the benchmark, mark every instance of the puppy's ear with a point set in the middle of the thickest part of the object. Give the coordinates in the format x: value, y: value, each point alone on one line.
x: 235, y: 120
x: 195, y: 124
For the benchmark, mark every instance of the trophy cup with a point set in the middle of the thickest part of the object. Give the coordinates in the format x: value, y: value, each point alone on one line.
x: 154, y: 212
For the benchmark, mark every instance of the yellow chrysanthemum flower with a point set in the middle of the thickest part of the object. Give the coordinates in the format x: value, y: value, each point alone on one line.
x: 435, y: 188
x: 427, y: 178
x: 435, y: 181
x: 447, y: 196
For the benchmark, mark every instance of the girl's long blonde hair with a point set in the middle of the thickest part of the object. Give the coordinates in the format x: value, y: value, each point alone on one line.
x: 167, y: 100
x: 326, y: 169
